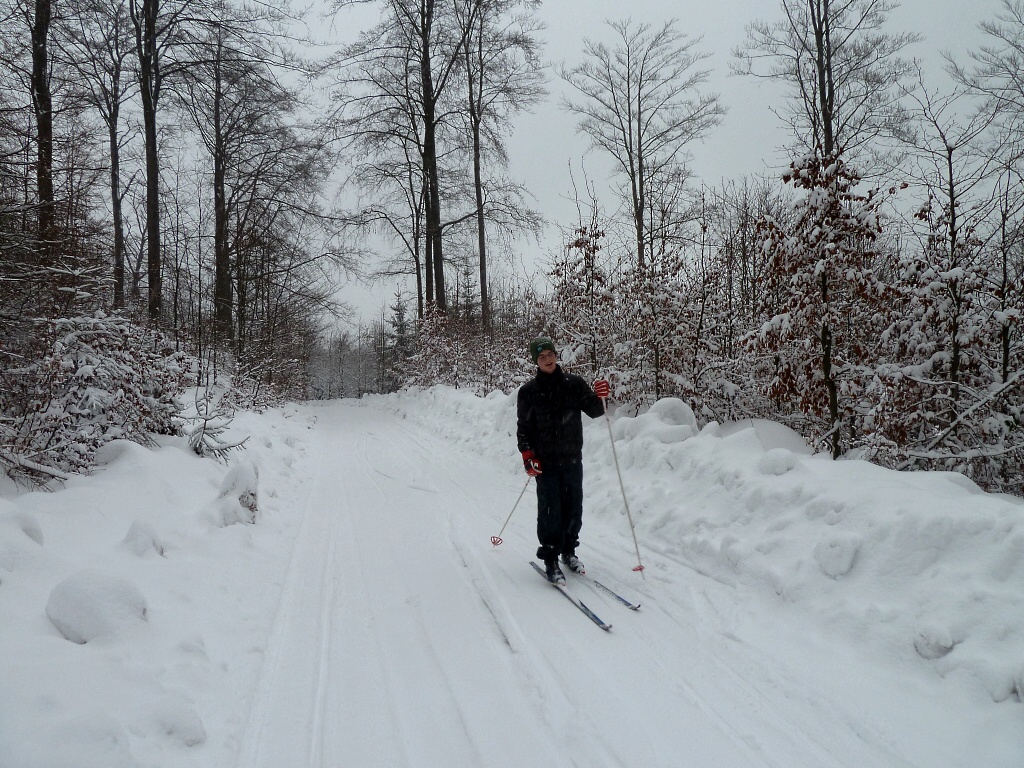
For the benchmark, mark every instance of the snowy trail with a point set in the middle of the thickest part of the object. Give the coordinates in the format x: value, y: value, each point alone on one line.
x: 796, y: 612
x: 403, y: 638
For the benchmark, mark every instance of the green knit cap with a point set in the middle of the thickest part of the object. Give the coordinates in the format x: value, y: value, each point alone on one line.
x: 539, y: 344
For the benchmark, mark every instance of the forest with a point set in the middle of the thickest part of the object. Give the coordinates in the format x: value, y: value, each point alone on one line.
x: 185, y: 185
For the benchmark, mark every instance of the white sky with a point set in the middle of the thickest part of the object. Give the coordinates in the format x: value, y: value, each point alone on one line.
x: 545, y: 144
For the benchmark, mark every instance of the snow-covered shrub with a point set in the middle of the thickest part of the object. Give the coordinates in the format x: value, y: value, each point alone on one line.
x: 142, y: 540
x: 204, y: 429
x: 249, y: 391
x: 93, y: 604
x: 831, y: 303
x: 458, y: 353
x: 584, y: 324
x: 238, y: 499
x: 101, y: 379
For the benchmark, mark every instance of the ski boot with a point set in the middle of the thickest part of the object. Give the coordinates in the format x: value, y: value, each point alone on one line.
x: 573, y: 563
x: 553, y: 572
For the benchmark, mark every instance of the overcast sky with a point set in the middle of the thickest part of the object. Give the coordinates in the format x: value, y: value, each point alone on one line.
x: 545, y: 144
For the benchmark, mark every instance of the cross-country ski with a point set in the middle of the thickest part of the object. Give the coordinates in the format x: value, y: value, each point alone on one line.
x: 611, y: 592
x: 561, y: 587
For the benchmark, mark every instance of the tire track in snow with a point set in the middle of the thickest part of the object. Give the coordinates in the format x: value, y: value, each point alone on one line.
x: 425, y: 650
x: 564, y: 719
x: 754, y: 679
x: 419, y: 620
x: 282, y: 721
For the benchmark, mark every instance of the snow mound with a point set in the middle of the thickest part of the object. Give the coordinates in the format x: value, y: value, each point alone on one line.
x: 672, y: 410
x: 837, y: 554
x: 87, y: 740
x: 93, y: 604
x: 667, y: 421
x: 121, y: 450
x: 770, y: 434
x: 26, y: 523
x: 177, y: 720
x: 934, y: 640
x: 20, y: 539
x: 142, y: 540
x: 777, y: 461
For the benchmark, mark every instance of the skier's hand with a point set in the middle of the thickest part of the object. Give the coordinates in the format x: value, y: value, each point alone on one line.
x: 531, y: 463
x: 601, y: 388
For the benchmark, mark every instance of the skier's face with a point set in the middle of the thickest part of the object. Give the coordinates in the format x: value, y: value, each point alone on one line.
x: 547, y: 360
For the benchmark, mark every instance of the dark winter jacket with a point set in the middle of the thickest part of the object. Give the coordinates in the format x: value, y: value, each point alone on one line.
x: 549, y: 408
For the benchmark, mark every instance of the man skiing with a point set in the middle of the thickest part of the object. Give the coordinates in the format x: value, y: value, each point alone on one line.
x: 550, y: 438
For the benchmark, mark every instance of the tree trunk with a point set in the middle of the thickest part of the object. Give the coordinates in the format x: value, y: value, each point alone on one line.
x: 481, y: 233
x: 478, y: 187
x: 428, y: 268
x: 433, y: 202
x: 222, y: 298
x: 116, y: 196
x: 829, y: 377
x: 42, y: 103
x: 822, y: 23
x: 149, y: 85
x: 116, y: 210
x: 640, y: 202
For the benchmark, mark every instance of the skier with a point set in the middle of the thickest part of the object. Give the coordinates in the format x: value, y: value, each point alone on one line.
x: 550, y: 437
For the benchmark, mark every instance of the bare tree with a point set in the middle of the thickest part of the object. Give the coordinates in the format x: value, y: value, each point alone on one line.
x: 843, y: 72
x: 503, y: 77
x: 996, y: 73
x: 230, y: 91
x: 954, y: 166
x: 436, y: 44
x: 157, y: 24
x: 641, y: 103
x: 395, y: 90
x: 377, y: 119
x: 39, y: 15
x: 96, y: 44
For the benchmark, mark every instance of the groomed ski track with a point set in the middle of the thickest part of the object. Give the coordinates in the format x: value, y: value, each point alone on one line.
x: 403, y: 638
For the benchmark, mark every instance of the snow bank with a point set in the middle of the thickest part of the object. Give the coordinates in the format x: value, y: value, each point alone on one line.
x: 923, y: 566
x: 127, y: 616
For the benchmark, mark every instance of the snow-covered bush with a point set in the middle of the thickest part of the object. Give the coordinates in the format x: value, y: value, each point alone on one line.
x: 458, y: 353
x: 204, y: 429
x: 238, y: 499
x: 142, y: 540
x: 92, y: 604
x: 831, y: 305
x: 101, y: 379
x: 249, y: 391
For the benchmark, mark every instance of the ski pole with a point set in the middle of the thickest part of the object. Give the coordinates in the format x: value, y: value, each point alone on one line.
x: 639, y: 565
x: 496, y: 540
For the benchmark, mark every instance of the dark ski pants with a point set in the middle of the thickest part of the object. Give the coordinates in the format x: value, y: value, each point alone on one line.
x: 559, y: 509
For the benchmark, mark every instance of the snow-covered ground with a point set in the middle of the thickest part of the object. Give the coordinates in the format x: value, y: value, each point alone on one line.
x: 797, y: 613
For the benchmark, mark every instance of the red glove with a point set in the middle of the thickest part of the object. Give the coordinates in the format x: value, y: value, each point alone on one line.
x: 531, y: 463
x: 601, y: 388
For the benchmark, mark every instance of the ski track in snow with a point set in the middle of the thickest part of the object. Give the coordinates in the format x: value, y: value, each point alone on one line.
x: 403, y: 638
